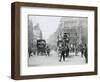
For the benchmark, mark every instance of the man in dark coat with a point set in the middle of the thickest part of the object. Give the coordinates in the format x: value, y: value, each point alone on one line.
x: 62, y: 53
x: 48, y: 51
x: 65, y: 49
x: 82, y: 50
x: 85, y: 53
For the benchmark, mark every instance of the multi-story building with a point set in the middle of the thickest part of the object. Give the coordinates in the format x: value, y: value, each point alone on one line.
x: 34, y: 34
x: 76, y: 27
x: 37, y: 33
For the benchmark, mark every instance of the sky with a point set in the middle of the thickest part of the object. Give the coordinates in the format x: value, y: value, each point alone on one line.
x: 47, y: 24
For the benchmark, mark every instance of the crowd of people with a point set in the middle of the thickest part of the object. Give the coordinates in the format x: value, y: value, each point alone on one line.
x: 64, y: 49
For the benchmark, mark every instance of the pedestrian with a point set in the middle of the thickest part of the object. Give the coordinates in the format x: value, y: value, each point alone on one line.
x: 67, y: 50
x: 76, y: 50
x: 48, y: 51
x: 64, y: 50
x: 85, y: 53
x: 62, y: 56
x: 82, y: 50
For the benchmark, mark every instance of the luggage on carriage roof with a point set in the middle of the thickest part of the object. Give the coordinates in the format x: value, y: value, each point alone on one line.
x: 41, y: 43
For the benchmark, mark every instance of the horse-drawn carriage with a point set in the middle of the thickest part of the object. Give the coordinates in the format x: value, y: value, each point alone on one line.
x: 63, y: 44
x: 41, y: 47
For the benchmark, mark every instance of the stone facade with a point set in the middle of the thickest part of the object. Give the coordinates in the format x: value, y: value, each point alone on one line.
x: 75, y: 27
x: 37, y: 33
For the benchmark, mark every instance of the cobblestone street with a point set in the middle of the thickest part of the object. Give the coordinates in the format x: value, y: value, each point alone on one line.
x: 53, y: 59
